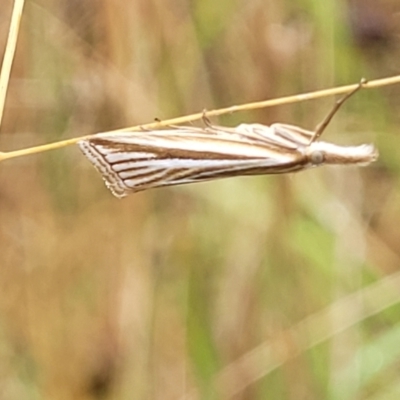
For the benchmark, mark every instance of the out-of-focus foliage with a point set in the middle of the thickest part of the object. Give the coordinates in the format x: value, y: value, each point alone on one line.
x: 282, y: 287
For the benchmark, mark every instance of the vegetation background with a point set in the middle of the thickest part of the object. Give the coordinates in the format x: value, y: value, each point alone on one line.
x: 272, y: 287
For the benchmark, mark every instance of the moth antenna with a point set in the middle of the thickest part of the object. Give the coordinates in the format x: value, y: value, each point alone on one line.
x: 325, y: 122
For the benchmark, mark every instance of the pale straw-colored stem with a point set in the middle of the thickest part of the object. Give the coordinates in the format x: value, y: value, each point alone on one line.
x: 9, y: 52
x: 188, y: 118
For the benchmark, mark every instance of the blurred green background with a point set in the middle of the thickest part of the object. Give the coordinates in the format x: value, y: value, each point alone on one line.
x: 272, y: 287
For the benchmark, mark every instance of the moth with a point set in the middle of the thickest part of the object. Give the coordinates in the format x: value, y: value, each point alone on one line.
x: 136, y: 161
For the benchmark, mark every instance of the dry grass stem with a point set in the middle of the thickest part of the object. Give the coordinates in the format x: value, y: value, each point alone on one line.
x: 9, y: 53
x: 212, y: 113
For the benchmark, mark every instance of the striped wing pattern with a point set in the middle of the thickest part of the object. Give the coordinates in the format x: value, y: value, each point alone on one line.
x: 137, y: 161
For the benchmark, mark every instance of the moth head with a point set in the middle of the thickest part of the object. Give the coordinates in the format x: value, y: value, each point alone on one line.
x: 319, y: 153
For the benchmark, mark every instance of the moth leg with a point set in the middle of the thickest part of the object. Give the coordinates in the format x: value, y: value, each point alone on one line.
x: 144, y: 129
x: 166, y: 126
x: 206, y: 120
x: 321, y: 127
x: 216, y: 129
x: 210, y: 127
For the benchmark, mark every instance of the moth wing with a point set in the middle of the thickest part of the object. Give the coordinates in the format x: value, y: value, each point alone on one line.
x: 130, y: 163
x: 281, y: 135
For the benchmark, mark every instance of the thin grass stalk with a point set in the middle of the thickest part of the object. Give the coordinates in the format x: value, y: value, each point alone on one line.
x: 10, y: 52
x: 212, y: 113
